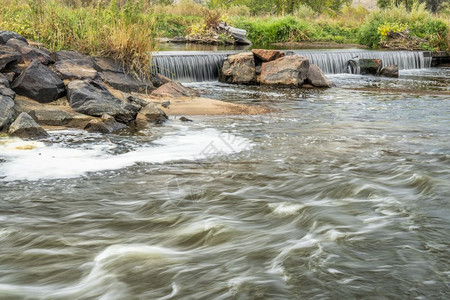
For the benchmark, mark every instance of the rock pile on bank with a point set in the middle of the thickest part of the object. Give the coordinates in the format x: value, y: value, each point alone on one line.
x: 70, y: 89
x: 271, y: 67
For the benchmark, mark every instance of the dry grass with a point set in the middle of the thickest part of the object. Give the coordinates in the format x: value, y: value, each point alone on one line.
x: 125, y: 34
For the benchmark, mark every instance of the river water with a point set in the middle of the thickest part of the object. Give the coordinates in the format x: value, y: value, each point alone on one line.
x: 340, y: 194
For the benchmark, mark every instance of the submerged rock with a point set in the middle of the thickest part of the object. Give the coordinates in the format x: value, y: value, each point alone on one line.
x: 389, y: 71
x: 25, y: 127
x: 39, y: 83
x: 369, y: 66
x: 239, y: 68
x: 288, y: 71
x: 184, y: 119
x: 30, y: 53
x: 316, y: 77
x: 92, y: 98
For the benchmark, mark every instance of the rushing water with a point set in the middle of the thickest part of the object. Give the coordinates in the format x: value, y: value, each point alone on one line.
x: 195, y: 66
x: 338, y: 195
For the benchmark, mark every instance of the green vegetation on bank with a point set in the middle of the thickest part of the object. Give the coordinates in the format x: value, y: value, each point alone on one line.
x: 127, y: 29
x: 430, y: 32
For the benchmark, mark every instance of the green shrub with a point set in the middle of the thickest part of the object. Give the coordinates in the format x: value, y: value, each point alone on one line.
x: 420, y: 23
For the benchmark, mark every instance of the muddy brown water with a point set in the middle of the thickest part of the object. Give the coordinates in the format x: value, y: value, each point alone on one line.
x: 340, y: 194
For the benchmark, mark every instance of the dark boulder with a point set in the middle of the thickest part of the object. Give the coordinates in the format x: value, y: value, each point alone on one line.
x: 76, y: 69
x: 104, y: 64
x: 30, y: 53
x: 369, y: 66
x: 126, y: 82
x: 113, y: 73
x: 6, y: 111
x: 138, y: 102
x: 8, y: 55
x: 285, y: 71
x: 93, y: 98
x: 317, y: 78
x: 67, y: 55
x: 389, y: 71
x: 6, y: 103
x: 39, y: 83
x: 267, y: 55
x: 51, y: 117
x: 239, y: 68
x: 5, y: 36
x: 9, y: 76
x: 25, y: 127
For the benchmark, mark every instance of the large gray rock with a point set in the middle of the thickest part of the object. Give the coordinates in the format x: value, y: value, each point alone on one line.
x: 104, y: 64
x: 113, y: 73
x: 151, y: 114
x: 66, y: 55
x: 5, y: 36
x: 75, y: 69
x: 5, y: 88
x: 286, y: 71
x: 316, y: 77
x: 30, y: 53
x: 92, y: 98
x: 6, y: 103
x: 25, y: 127
x: 51, y: 114
x: 389, y: 71
x: 52, y: 117
x: 39, y: 83
x: 6, y: 111
x: 8, y: 55
x: 126, y: 82
x: 239, y: 68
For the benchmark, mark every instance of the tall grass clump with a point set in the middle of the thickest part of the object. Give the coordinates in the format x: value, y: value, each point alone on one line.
x: 419, y: 22
x: 121, y: 32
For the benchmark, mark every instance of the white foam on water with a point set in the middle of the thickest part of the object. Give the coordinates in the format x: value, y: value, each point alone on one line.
x: 285, y: 209
x: 34, y: 160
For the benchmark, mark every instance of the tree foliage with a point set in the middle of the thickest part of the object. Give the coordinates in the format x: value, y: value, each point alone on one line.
x: 282, y: 6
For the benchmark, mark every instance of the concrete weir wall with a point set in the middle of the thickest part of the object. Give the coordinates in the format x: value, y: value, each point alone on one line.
x: 438, y: 58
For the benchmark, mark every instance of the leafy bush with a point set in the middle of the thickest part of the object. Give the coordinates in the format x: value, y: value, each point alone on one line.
x: 421, y: 24
x: 267, y: 30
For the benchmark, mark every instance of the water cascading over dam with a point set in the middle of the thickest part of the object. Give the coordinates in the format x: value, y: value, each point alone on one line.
x: 205, y: 66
